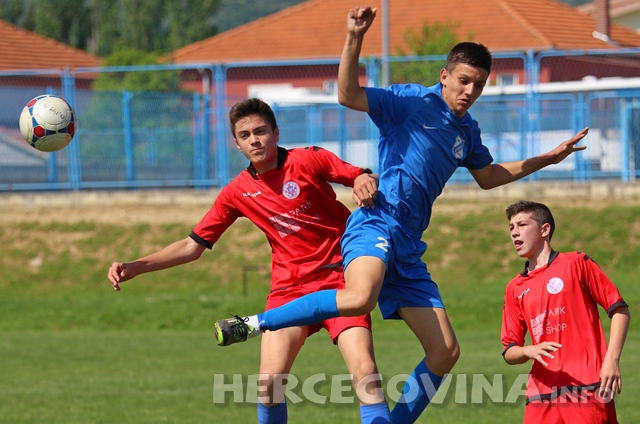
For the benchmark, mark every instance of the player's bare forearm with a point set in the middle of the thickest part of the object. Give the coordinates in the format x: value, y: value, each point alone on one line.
x: 495, y: 175
x: 610, y: 376
x: 540, y: 352
x: 349, y: 90
x: 350, y: 93
x: 514, y: 355
x: 365, y: 189
x: 618, y: 333
x: 177, y: 253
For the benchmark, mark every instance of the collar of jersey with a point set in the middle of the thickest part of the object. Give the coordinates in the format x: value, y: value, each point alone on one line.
x: 282, y: 156
x: 552, y: 257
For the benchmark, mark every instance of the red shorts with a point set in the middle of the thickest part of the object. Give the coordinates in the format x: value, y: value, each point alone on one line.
x: 332, y: 279
x: 558, y: 412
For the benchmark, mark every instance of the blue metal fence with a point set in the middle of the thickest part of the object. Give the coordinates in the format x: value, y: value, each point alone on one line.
x: 135, y: 139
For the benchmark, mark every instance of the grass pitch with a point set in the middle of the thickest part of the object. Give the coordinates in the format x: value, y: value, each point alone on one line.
x: 75, y: 351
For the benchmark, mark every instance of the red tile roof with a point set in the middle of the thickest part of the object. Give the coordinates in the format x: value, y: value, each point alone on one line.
x: 616, y: 7
x: 22, y: 49
x: 317, y: 28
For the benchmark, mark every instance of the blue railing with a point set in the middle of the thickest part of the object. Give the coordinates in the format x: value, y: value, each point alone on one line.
x: 136, y: 139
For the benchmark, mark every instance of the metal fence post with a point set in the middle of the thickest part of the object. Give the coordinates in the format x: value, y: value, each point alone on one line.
x: 197, y: 140
x: 222, y: 155
x: 625, y: 131
x: 128, y: 137
x: 73, y: 151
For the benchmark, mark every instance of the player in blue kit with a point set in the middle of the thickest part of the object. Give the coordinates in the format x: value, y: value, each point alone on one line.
x: 426, y: 133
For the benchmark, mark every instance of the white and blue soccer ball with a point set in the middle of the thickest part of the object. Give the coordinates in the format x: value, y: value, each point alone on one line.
x: 48, y: 123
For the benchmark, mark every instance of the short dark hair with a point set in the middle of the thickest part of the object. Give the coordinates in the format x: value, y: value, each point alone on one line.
x: 469, y: 53
x: 539, y: 212
x: 248, y: 107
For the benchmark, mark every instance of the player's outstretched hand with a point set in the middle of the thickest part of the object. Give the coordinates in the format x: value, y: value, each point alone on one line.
x: 365, y: 188
x: 360, y: 18
x: 567, y: 147
x: 118, y: 273
x: 542, y: 350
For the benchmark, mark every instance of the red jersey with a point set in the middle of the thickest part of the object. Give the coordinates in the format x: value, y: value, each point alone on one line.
x: 294, y: 205
x: 559, y: 302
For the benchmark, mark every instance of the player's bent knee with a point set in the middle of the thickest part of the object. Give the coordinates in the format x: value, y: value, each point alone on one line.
x: 441, y: 361
x: 356, y: 303
x: 364, y: 369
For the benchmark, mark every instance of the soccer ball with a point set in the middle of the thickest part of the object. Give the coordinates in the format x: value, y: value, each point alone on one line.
x: 48, y: 123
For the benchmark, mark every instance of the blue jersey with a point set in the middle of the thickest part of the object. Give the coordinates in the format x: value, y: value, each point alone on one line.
x: 422, y: 143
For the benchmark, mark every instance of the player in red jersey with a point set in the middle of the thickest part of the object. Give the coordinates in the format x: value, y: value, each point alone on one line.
x: 288, y: 195
x: 574, y: 375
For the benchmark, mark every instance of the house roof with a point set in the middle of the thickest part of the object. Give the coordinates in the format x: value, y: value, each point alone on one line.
x: 317, y: 29
x: 22, y: 49
x: 616, y: 7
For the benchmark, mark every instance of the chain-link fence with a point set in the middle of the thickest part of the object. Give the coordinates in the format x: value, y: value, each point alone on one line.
x: 176, y: 134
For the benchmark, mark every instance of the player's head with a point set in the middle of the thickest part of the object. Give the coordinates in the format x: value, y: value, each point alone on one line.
x: 464, y: 76
x: 472, y: 54
x: 248, y: 107
x: 539, y: 212
x: 256, y: 133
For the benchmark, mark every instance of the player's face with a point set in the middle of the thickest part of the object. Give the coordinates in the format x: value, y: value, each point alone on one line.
x: 257, y: 141
x: 527, y: 236
x: 462, y: 86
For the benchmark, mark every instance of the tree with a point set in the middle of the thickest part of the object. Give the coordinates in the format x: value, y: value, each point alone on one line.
x: 136, y: 80
x: 433, y: 39
x: 63, y: 20
x: 184, y: 27
x: 11, y: 11
x: 102, y: 26
x: 159, y: 26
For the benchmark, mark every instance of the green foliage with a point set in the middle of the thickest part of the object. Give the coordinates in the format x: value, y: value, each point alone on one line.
x: 189, y: 21
x: 102, y: 26
x: 433, y: 39
x: 12, y: 11
x: 136, y: 80
x: 63, y: 20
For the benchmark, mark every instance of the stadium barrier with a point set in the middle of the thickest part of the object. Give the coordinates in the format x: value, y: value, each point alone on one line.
x: 168, y: 128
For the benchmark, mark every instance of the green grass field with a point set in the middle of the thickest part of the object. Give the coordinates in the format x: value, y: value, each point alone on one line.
x: 75, y: 351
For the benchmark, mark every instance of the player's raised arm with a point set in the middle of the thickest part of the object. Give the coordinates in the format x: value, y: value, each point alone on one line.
x: 350, y: 93
x: 497, y: 174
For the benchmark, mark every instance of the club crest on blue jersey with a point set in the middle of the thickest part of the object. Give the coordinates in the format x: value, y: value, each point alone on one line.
x: 290, y: 190
x: 458, y: 148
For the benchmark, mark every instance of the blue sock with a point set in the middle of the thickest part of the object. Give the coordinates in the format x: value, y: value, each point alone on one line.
x: 413, y: 402
x: 377, y: 413
x: 276, y: 414
x: 307, y: 310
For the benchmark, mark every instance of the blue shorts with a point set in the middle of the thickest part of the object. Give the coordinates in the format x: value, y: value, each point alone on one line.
x: 372, y: 232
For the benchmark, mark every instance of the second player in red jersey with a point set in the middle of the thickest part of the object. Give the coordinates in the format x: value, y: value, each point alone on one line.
x: 574, y: 374
x: 288, y: 195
